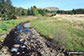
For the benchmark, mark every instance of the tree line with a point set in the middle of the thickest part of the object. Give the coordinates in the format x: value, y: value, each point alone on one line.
x: 33, y: 11
x: 8, y: 11
x: 74, y: 11
x: 37, y: 12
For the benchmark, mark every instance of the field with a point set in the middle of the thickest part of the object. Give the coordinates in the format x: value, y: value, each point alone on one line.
x: 67, y: 29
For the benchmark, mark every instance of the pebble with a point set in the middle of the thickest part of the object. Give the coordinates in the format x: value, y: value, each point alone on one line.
x: 18, y: 53
x: 16, y: 45
x: 14, y: 50
x: 23, y: 46
x: 21, y: 40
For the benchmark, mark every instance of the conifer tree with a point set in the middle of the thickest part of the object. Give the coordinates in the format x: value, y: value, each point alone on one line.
x: 22, y: 13
x: 28, y: 12
x: 34, y: 11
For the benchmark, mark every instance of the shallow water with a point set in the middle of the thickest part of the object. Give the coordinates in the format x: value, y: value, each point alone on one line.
x: 21, y: 48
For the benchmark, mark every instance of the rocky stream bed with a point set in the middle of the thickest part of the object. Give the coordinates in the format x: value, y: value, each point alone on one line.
x: 26, y: 41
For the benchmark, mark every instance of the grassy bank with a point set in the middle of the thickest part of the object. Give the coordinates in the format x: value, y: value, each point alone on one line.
x: 6, y: 26
x: 62, y: 31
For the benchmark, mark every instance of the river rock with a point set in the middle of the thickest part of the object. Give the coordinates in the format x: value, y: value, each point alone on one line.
x: 29, y: 43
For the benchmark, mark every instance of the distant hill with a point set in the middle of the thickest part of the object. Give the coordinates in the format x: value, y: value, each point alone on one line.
x: 52, y: 8
x: 20, y: 8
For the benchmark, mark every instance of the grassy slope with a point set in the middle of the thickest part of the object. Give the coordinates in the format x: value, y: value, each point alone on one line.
x: 72, y: 37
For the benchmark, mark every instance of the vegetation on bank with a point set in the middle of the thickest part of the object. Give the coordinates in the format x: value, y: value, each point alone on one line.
x: 61, y: 31
x: 5, y: 26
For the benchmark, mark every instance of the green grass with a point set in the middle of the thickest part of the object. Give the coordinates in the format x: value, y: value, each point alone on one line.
x: 5, y: 26
x: 8, y: 25
x: 62, y: 30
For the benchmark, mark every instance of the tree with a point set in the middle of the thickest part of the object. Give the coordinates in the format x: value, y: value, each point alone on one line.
x: 7, y: 11
x: 10, y: 10
x: 22, y: 13
x: 42, y: 12
x: 8, y: 2
x: 35, y: 7
x: 34, y: 11
x: 2, y: 8
x: 28, y: 12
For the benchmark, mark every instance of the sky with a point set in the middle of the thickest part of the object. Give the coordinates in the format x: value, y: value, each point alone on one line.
x: 61, y: 4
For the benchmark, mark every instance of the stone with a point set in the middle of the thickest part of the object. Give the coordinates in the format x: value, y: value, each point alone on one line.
x: 23, y: 52
x: 18, y: 53
x: 21, y: 40
x: 23, y: 46
x: 60, y: 54
x: 14, y: 50
x: 16, y: 45
x: 4, y: 51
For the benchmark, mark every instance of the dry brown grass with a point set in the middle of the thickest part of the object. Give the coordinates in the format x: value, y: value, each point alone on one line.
x: 71, y: 18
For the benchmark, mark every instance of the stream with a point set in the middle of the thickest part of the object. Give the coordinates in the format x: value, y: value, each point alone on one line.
x: 15, y: 43
x: 26, y: 41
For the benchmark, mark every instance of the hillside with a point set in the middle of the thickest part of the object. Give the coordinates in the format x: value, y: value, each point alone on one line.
x: 52, y: 8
